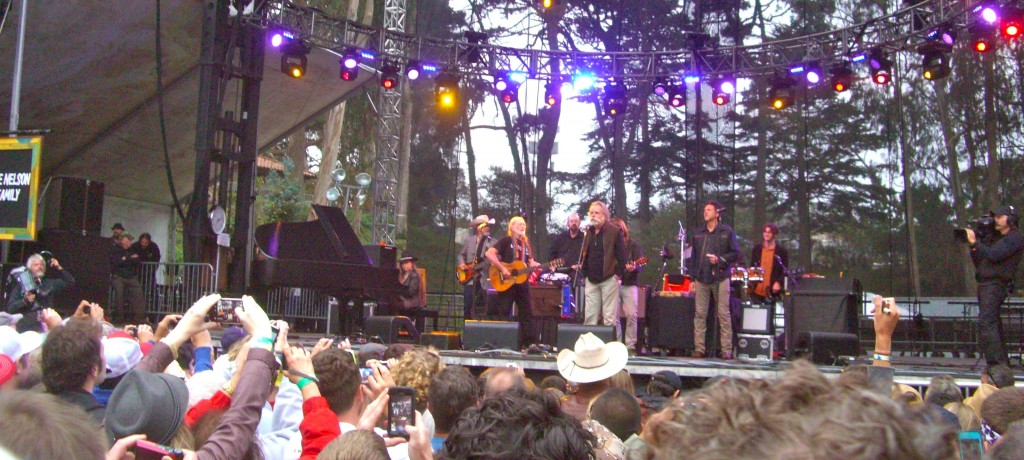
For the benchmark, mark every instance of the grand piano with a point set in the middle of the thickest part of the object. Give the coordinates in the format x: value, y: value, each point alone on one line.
x: 326, y: 255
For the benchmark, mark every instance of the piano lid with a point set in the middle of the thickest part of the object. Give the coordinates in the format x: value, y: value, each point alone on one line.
x: 329, y: 238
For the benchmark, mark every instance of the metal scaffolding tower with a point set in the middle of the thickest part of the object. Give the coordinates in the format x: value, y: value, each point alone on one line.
x: 385, y: 188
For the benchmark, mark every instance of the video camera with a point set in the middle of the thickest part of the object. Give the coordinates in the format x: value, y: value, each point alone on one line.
x: 983, y: 227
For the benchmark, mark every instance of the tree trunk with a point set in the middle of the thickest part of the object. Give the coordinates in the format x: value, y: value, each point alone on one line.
x: 644, y: 184
x: 907, y: 158
x: 474, y: 191
x: 297, y: 153
x: 332, y: 137
x: 760, y: 172
x: 405, y: 138
x: 955, y: 189
x: 513, y: 145
x: 618, y: 169
x: 546, y: 148
x: 803, y: 203
x: 993, y: 178
x: 334, y: 123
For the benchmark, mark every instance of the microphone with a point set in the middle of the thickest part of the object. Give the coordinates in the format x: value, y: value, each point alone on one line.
x: 666, y: 253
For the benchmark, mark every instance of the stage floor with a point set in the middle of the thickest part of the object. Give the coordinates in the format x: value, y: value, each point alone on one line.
x: 910, y: 370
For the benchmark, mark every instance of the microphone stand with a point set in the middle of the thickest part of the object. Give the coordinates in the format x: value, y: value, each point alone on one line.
x: 785, y: 272
x: 580, y: 312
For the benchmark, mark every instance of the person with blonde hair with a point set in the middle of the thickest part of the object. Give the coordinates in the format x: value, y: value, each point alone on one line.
x: 512, y: 247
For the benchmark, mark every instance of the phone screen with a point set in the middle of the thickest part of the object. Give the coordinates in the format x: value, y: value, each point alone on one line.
x: 970, y: 446
x: 224, y: 312
x: 400, y: 410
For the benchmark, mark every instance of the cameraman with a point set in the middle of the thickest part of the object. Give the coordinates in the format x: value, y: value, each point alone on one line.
x: 31, y: 289
x: 996, y: 258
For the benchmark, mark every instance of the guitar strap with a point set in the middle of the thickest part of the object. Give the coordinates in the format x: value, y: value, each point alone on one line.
x: 480, y: 247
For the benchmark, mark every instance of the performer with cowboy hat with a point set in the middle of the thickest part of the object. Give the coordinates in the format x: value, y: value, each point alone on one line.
x: 410, y: 296
x: 476, y: 244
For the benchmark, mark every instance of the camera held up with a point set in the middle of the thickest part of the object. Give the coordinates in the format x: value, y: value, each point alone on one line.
x: 983, y: 227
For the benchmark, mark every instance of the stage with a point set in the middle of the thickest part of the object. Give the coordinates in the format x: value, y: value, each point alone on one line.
x: 914, y: 371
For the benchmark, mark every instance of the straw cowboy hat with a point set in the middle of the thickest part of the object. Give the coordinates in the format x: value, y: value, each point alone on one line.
x: 592, y: 360
x: 481, y: 219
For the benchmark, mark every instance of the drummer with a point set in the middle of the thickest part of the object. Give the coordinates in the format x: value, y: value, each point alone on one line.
x: 771, y: 257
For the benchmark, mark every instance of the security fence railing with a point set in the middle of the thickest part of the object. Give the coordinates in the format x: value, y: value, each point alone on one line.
x: 173, y: 287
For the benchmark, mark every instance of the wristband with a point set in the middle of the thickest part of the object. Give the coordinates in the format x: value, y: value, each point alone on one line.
x: 302, y: 376
x: 304, y: 381
x: 881, y: 357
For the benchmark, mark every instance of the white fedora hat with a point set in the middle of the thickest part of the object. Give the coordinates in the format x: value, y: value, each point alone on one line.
x: 592, y: 360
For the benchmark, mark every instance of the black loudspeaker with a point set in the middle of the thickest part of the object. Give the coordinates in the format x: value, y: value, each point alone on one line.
x: 441, y: 340
x: 822, y: 305
x: 671, y: 324
x: 493, y: 334
x: 333, y: 318
x: 827, y: 347
x: 568, y: 334
x: 392, y: 329
x: 74, y: 204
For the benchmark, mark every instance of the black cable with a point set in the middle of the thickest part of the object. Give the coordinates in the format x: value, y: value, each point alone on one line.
x: 163, y: 122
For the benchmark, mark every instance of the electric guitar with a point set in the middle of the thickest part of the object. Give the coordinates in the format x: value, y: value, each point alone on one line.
x: 638, y: 263
x: 519, y: 271
x: 465, y: 276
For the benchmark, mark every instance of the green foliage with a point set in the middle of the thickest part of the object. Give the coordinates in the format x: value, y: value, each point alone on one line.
x: 280, y: 199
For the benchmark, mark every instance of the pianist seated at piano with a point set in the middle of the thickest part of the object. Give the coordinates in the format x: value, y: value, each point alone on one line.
x: 411, y: 297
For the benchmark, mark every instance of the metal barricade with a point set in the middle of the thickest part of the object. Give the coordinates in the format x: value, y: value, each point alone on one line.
x: 295, y: 303
x: 174, y: 287
x: 449, y: 308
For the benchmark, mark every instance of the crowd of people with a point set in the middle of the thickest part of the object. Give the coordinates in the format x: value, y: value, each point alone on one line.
x: 82, y: 389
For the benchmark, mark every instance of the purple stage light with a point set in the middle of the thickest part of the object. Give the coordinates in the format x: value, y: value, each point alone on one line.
x: 989, y: 14
x: 276, y: 40
x: 350, y: 62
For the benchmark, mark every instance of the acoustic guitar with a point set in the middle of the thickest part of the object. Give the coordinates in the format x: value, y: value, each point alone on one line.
x: 520, y: 272
x: 465, y: 276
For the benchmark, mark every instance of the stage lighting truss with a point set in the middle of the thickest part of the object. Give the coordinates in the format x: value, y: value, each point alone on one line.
x: 389, y: 75
x: 782, y: 92
x: 473, y: 55
x: 614, y: 98
x: 446, y: 90
x: 842, y: 77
